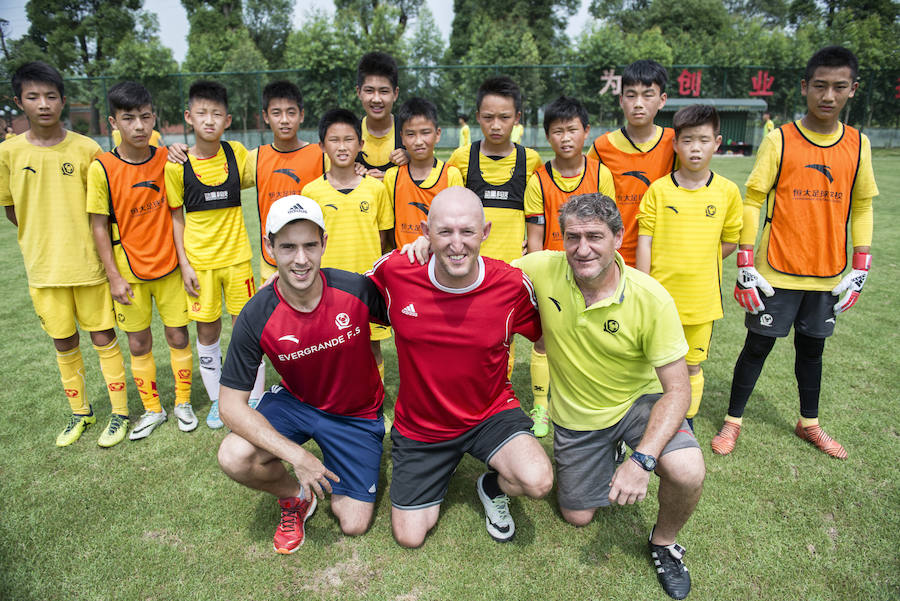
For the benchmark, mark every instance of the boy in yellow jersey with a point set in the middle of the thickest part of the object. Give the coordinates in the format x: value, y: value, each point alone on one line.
x: 132, y: 227
x: 411, y: 187
x: 641, y: 152
x: 213, y: 248
x: 518, y: 131
x: 688, y: 222
x: 569, y: 173
x: 496, y: 169
x: 376, y: 87
x: 285, y: 166
x: 768, y: 124
x: 43, y: 175
x: 156, y: 138
x: 358, y: 214
x: 807, y: 172
x: 465, y: 134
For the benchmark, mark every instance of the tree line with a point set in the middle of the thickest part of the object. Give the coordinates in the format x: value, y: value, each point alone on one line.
x: 119, y: 39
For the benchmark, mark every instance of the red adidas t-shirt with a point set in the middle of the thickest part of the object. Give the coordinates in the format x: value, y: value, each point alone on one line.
x: 453, y: 344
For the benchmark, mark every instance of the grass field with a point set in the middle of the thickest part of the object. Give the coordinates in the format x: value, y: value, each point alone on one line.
x: 157, y: 519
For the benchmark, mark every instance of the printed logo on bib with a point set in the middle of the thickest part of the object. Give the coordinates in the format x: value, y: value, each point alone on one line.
x: 641, y: 175
x: 342, y: 321
x: 290, y: 173
x: 611, y: 326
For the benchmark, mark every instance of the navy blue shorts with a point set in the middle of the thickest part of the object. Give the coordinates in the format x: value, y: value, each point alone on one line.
x: 351, y: 446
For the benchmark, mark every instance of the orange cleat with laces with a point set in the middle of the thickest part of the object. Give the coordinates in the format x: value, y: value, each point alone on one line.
x: 817, y: 436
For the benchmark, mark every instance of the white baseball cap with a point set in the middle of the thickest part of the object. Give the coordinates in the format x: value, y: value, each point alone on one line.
x: 293, y: 208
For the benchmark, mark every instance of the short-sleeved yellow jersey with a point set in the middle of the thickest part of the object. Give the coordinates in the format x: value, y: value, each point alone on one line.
x: 602, y: 357
x: 376, y: 151
x: 214, y: 238
x: 353, y: 220
x: 507, y: 225
x: 46, y: 185
x: 688, y: 228
x: 761, y: 189
x: 465, y: 136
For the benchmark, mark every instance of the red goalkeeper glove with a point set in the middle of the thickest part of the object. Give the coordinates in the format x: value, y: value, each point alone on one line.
x: 852, y: 282
x: 749, y: 283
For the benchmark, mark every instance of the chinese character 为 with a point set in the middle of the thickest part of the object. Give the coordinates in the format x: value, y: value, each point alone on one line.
x: 613, y: 82
x: 689, y: 83
x: 762, y: 84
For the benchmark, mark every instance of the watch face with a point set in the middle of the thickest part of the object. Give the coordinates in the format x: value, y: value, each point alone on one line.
x: 648, y: 462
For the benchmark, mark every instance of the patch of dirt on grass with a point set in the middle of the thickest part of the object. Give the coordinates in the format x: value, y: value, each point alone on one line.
x: 352, y: 573
x: 414, y: 595
x: 164, y: 537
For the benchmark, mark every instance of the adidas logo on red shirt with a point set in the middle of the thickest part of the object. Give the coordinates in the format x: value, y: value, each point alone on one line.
x: 409, y: 310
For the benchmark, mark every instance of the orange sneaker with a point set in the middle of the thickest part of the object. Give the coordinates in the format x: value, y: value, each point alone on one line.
x: 291, y: 531
x: 723, y: 442
x: 816, y: 435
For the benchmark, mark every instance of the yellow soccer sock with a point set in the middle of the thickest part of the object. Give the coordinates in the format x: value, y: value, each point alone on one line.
x: 696, y: 394
x: 182, y: 361
x: 113, y: 367
x: 512, y: 362
x: 381, y: 370
x: 806, y: 422
x: 71, y: 371
x: 540, y: 378
x: 143, y: 369
x: 734, y: 420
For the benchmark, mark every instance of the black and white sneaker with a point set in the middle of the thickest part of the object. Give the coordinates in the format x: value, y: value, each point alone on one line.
x: 500, y: 524
x: 621, y: 451
x: 670, y: 570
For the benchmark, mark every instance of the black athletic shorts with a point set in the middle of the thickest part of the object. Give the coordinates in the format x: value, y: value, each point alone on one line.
x: 811, y: 312
x: 422, y: 470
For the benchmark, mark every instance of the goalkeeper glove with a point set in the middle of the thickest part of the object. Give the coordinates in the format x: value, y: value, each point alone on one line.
x: 749, y: 283
x: 852, y: 282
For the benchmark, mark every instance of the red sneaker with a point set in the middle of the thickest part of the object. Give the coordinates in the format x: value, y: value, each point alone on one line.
x: 723, y: 442
x: 290, y: 534
x: 826, y: 444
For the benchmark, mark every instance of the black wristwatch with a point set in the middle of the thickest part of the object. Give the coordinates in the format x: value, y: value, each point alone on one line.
x: 648, y: 462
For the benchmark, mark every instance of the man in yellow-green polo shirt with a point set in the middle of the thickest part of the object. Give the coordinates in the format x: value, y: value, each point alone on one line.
x: 616, y: 352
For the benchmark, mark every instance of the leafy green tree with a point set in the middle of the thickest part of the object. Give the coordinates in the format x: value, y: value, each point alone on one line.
x: 269, y: 23
x: 365, y: 13
x: 79, y: 37
x: 142, y: 57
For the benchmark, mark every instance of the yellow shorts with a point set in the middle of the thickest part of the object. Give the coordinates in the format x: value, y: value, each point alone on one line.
x: 171, y: 302
x: 58, y: 309
x: 698, y: 338
x: 237, y: 283
x: 265, y: 271
x: 379, y: 332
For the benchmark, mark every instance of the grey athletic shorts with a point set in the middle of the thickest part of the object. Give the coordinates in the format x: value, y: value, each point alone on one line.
x: 585, y: 460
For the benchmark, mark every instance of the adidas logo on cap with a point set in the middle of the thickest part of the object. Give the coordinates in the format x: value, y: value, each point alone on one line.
x: 297, y: 208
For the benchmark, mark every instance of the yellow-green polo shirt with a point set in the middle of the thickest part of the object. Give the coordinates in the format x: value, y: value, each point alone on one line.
x: 602, y: 357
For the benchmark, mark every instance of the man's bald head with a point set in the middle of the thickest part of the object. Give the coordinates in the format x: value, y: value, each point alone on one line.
x: 455, y: 201
x: 456, y: 229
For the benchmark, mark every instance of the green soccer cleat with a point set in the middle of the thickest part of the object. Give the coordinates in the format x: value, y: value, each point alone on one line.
x: 115, y: 431
x: 541, y: 419
x: 73, y: 430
